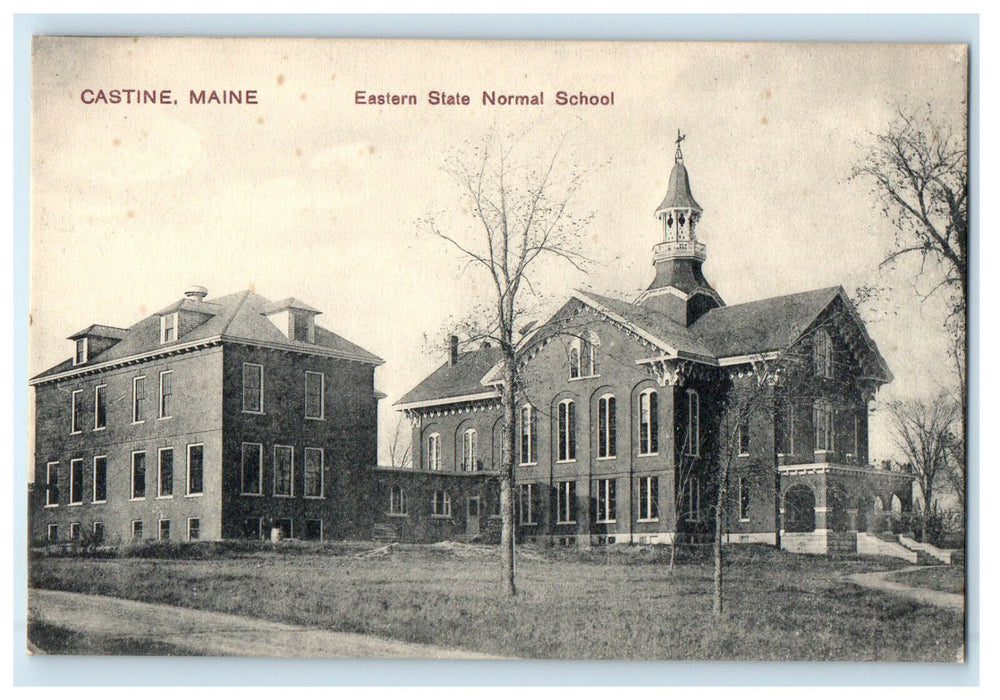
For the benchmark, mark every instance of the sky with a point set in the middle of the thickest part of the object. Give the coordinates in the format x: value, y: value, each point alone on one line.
x: 308, y: 194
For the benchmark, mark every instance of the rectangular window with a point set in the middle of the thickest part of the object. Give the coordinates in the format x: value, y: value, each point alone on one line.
x: 434, y: 452
x: 100, y: 479
x: 136, y: 529
x: 76, y: 418
x: 397, y: 501
x: 285, y: 526
x: 98, y: 532
x: 168, y: 328
x: 692, y: 442
x: 138, y: 399
x: 252, y: 469
x: 470, y: 449
x: 607, y: 439
x: 75, y: 481
x: 165, y: 487
x: 52, y: 484
x: 164, y: 529
x: 441, y: 504
x: 529, y: 435
x: 194, y: 529
x: 314, y: 529
x: 606, y: 501
x: 315, y: 395
x: 649, y: 423
x: 195, y: 468
x: 81, y: 351
x: 649, y: 498
x: 253, y: 388
x: 53, y: 533
x: 138, y: 475
x: 283, y: 470
x: 743, y: 437
x: 566, y: 502
x: 567, y: 431
x: 100, y: 407
x: 526, y: 501
x: 744, y: 495
x: 313, y: 472
x: 74, y: 531
x: 166, y: 392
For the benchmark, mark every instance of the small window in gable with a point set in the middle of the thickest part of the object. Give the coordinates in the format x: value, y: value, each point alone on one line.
x: 822, y: 354
x: 168, y: 328
x: 81, y: 351
x: 582, y: 358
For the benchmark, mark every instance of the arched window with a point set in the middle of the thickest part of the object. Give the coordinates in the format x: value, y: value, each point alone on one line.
x: 434, y: 452
x: 470, y: 460
x: 607, y: 440
x: 649, y: 421
x: 823, y: 424
x: 567, y: 431
x: 529, y: 435
x: 582, y: 358
x: 397, y: 501
x: 822, y: 354
x: 692, y: 438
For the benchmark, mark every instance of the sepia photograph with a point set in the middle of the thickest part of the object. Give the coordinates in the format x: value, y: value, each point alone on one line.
x: 454, y: 349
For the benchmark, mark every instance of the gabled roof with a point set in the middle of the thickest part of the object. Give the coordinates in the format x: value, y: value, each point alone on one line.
x: 290, y: 303
x: 97, y: 330
x: 761, y: 326
x: 463, y: 379
x: 237, y: 317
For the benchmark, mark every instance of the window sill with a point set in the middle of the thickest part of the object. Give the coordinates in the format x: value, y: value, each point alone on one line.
x: 74, y: 504
x: 254, y: 495
x: 138, y: 422
x: 164, y: 418
x: 566, y: 461
x: 587, y: 376
x: 165, y: 498
x: 606, y: 522
x: 103, y: 427
x: 315, y: 498
x: 97, y: 503
x: 565, y: 522
x: 528, y: 464
x: 284, y: 495
x: 742, y: 454
x: 75, y: 432
x: 137, y: 498
x: 194, y: 495
x: 744, y: 520
x: 320, y: 418
x: 648, y: 454
x: 253, y: 413
x: 607, y: 459
x: 528, y: 524
x: 398, y: 515
x: 51, y: 505
x: 648, y: 520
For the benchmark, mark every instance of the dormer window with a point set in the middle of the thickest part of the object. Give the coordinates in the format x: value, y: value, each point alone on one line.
x: 168, y: 328
x: 81, y: 351
x: 302, y: 328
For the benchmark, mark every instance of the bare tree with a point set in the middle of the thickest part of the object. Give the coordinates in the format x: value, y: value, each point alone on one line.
x: 400, y: 445
x: 924, y: 432
x: 524, y: 221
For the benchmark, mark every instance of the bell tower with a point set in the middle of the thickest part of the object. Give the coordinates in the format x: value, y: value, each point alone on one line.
x: 679, y: 288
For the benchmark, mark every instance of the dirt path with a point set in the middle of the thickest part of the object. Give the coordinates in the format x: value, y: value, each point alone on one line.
x: 216, y: 634
x: 879, y: 581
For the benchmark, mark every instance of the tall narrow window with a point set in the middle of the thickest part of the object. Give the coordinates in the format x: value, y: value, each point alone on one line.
x: 692, y: 441
x: 165, y: 488
x: 194, y: 529
x: 98, y: 532
x: 52, y: 484
x: 75, y: 481
x: 100, y: 479
x: 582, y: 358
x: 195, y: 469
x: 822, y: 354
x: 607, y: 439
x: 574, y: 361
x: 252, y: 469
x: 168, y: 328
x: 397, y: 501
x: 470, y: 459
x: 855, y: 456
x: 166, y: 393
x: 52, y: 533
x: 786, y: 429
x: 567, y: 431
x: 743, y: 437
x: 691, y: 499
x: 566, y: 501
x: 138, y: 475
x: 649, y: 420
x: 253, y: 388
x: 606, y: 501
x: 823, y: 425
x: 100, y: 407
x: 283, y: 469
x: 313, y: 472
x: 138, y: 399
x: 744, y: 496
x: 434, y: 452
x: 81, y: 351
x: 76, y: 418
x: 529, y: 435
x: 526, y: 503
x: 74, y: 531
x: 649, y: 498
x: 164, y: 529
x: 315, y: 390
x: 441, y: 504
x: 136, y: 529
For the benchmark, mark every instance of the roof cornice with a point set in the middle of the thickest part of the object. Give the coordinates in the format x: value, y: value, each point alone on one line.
x: 465, y: 398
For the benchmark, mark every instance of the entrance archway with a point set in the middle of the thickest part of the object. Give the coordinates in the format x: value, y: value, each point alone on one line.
x: 800, y: 509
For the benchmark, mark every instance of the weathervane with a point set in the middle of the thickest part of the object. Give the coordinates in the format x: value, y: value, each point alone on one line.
x: 680, y: 137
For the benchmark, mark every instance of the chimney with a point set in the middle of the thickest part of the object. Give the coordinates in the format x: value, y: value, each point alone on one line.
x: 452, y: 350
x: 196, y: 292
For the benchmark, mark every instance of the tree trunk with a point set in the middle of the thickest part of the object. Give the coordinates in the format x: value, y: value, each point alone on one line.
x: 720, y: 501
x: 507, y: 400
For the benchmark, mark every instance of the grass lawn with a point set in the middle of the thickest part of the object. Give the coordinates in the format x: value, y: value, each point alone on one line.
x: 615, y: 603
x: 947, y: 579
x: 53, y: 639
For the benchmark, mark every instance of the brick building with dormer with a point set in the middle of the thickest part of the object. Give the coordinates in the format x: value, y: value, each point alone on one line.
x: 624, y: 406
x: 210, y: 419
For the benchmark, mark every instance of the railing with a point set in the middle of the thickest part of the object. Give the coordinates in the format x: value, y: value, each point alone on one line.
x: 677, y: 249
